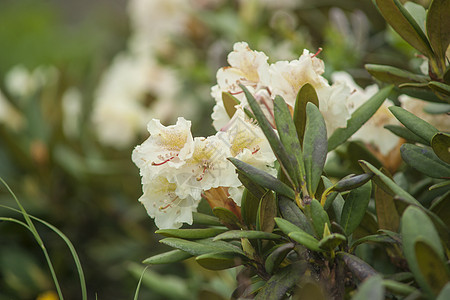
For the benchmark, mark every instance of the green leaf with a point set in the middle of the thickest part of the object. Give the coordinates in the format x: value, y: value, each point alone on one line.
x: 441, y: 90
x: 314, y: 147
x: 306, y: 94
x: 387, y: 184
x: 375, y: 238
x: 415, y: 226
x: 319, y: 217
x: 229, y: 102
x: 445, y: 293
x: 203, y: 219
x: 227, y: 218
x: 355, y: 207
x: 405, y: 133
x: 284, y: 158
x: 275, y: 258
x: 167, y: 257
x: 358, y: 118
x: 306, y: 240
x: 281, y: 282
x: 196, y: 248
x: 262, y: 178
x: 191, y: 234
x: 403, y: 23
x: 357, y: 150
x: 249, y: 207
x: 441, y: 208
x: 248, y: 234
x: 288, y: 136
x: 424, y: 160
x: 332, y: 241
x: 394, y: 75
x: 413, y: 123
x: 267, y: 211
x: 371, y: 289
x: 438, y: 28
x: 441, y: 146
x: 387, y: 214
x: 437, y: 108
x: 286, y: 226
x: 292, y: 213
x: 254, y: 188
x: 431, y: 266
x: 357, y: 266
x: 352, y: 182
x: 219, y: 260
x: 398, y: 287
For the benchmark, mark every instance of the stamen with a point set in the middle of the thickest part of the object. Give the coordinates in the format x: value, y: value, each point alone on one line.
x: 317, y: 53
x: 166, y: 161
x: 257, y: 149
x: 236, y: 93
x: 201, y: 176
x: 168, y: 205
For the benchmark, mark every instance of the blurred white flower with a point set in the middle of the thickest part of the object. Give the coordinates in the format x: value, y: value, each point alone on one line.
x: 72, y: 109
x: 416, y: 106
x: 164, y: 205
x: 23, y: 83
x: 9, y: 115
x: 132, y: 91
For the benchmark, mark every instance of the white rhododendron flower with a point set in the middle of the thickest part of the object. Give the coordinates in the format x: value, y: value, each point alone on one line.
x: 166, y: 147
x: 286, y: 78
x: 373, y: 131
x: 9, y: 115
x: 164, y: 205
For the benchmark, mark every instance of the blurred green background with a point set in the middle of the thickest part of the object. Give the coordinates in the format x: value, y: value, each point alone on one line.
x: 89, y: 190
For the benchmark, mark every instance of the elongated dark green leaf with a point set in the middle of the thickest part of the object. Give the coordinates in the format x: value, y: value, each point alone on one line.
x: 413, y: 123
x: 375, y: 238
x: 219, y: 260
x: 202, y: 219
x: 292, y: 213
x: 284, y: 158
x: 191, y: 234
x: 248, y: 234
x: 387, y: 184
x: 424, y: 160
x: 394, y: 75
x: 352, y: 182
x: 332, y: 241
x: 438, y: 28
x: 167, y: 257
x: 432, y: 267
x: 441, y: 90
x: 441, y: 208
x: 358, y: 118
x: 306, y: 240
x: 277, y: 286
x: 306, y: 94
x: 398, y: 287
x: 355, y: 207
x: 275, y: 258
x: 254, y: 188
x: 371, y: 289
x: 405, y: 133
x: 357, y: 150
x: 193, y: 248
x: 445, y: 293
x: 229, y: 102
x: 262, y: 178
x: 387, y: 215
x: 314, y: 147
x: 267, y: 211
x: 288, y: 136
x: 319, y: 217
x: 357, y: 266
x: 286, y: 226
x: 227, y: 218
x: 222, y: 245
x: 249, y: 208
x: 441, y: 145
x: 415, y: 226
x: 403, y: 23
